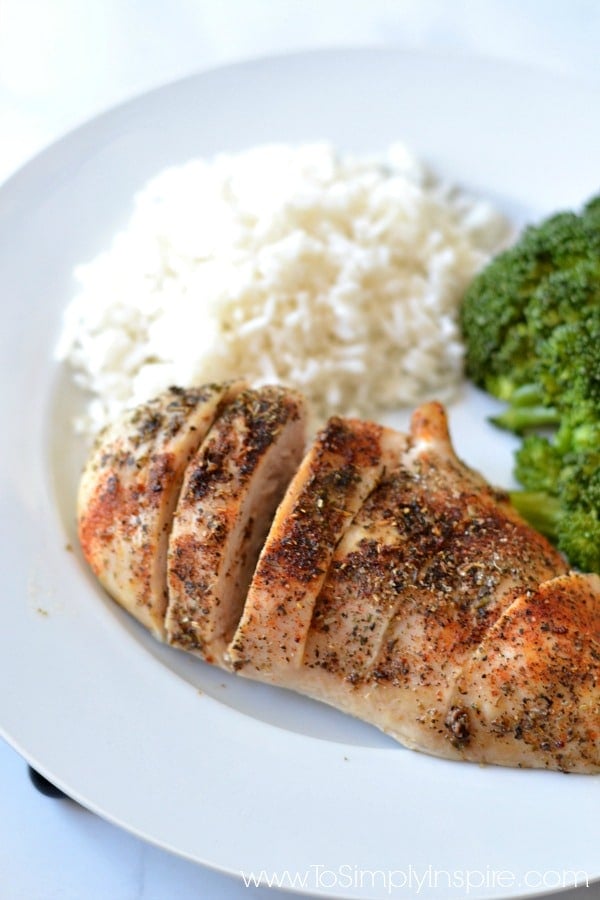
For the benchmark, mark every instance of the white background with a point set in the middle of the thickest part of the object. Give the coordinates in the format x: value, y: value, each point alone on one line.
x: 61, y: 63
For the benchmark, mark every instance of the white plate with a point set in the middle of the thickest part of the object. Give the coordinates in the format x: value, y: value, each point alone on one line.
x: 233, y: 774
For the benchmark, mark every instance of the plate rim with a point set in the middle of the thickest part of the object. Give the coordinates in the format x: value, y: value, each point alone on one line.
x: 21, y: 177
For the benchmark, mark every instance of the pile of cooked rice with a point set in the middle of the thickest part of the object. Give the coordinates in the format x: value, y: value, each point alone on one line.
x: 339, y: 275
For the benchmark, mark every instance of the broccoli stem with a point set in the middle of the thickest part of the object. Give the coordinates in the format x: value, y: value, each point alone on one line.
x: 522, y: 418
x: 540, y: 509
x: 526, y: 395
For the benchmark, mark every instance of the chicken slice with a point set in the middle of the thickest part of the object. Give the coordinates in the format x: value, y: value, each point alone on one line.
x: 374, y: 566
x: 229, y: 496
x: 340, y: 469
x: 129, y: 489
x: 530, y: 693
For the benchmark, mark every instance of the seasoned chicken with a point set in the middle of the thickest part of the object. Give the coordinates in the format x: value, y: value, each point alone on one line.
x: 427, y: 566
x: 529, y: 694
x: 393, y: 582
x: 341, y: 468
x: 231, y: 489
x: 129, y: 488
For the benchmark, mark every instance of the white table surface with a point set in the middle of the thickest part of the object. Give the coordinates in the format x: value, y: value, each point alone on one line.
x: 61, y: 63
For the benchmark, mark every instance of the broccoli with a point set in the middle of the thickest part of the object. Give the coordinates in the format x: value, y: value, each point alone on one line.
x: 564, y: 379
x: 509, y: 305
x: 538, y: 464
x: 575, y: 531
x: 531, y: 322
x: 562, y: 499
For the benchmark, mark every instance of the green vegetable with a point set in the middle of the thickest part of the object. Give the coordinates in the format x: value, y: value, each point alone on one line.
x: 562, y: 493
x: 531, y: 322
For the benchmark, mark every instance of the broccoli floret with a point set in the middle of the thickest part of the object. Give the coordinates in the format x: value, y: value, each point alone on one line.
x: 563, y: 297
x: 578, y: 483
x: 576, y: 532
x: 578, y: 437
x: 561, y: 477
x: 579, y: 539
x: 538, y: 464
x: 563, y: 504
x: 565, y: 379
x: 573, y: 363
x: 510, y: 304
x: 493, y: 306
x: 532, y: 326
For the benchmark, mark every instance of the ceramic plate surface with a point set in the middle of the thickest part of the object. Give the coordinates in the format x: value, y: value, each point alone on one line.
x: 232, y: 774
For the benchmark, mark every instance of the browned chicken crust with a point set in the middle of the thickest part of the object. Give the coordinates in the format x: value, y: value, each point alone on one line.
x: 394, y: 583
x: 530, y: 693
x: 129, y: 488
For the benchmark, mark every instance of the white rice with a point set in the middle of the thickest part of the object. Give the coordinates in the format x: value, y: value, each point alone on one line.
x: 339, y: 275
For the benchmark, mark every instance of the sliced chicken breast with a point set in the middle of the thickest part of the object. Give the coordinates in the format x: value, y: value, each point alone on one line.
x: 378, y: 574
x: 340, y: 469
x: 129, y: 489
x: 431, y: 560
x: 464, y: 555
x: 231, y: 490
